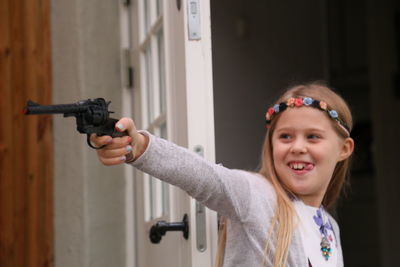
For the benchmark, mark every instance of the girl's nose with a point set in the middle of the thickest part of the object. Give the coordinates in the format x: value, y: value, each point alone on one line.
x: 299, y: 146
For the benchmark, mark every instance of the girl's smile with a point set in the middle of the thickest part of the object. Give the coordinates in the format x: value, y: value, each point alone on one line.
x: 301, y: 167
x: 306, y: 149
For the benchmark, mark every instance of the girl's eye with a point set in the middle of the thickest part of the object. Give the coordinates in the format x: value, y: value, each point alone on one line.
x: 313, y: 136
x: 284, y: 136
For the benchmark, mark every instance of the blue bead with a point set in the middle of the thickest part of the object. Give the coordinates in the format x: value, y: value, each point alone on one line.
x: 333, y: 114
x: 307, y: 101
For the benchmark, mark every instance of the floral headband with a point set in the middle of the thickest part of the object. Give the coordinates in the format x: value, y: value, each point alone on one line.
x: 308, y: 102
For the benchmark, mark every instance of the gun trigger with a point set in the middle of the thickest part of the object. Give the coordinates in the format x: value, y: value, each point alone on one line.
x: 90, y: 144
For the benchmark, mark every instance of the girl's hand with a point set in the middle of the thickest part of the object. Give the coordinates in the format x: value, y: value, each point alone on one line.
x: 120, y: 149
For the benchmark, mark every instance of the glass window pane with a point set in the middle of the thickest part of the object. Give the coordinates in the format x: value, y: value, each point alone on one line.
x: 159, y: 7
x: 161, y: 64
x: 163, y: 131
x: 156, y: 202
x: 147, y: 197
x: 165, y: 186
x: 165, y: 201
x: 149, y: 85
x: 146, y: 4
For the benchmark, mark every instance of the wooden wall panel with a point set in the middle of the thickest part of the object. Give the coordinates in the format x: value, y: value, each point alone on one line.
x: 26, y: 159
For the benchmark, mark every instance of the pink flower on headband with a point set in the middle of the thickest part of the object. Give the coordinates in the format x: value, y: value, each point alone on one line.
x: 298, y: 102
x: 269, y: 113
x: 290, y: 102
x: 323, y: 105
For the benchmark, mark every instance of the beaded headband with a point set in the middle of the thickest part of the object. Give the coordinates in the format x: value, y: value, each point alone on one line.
x: 308, y: 102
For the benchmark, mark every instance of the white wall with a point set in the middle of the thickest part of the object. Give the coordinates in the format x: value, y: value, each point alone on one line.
x: 89, y: 198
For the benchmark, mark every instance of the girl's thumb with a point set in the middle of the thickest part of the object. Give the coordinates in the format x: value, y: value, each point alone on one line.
x: 126, y: 124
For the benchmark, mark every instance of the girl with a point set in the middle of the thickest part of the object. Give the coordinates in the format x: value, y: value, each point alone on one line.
x: 277, y: 216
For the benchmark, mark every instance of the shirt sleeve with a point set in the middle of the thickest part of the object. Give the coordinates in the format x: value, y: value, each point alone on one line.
x: 221, y: 189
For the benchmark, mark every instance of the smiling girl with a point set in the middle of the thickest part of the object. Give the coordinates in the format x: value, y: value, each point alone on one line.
x: 277, y: 216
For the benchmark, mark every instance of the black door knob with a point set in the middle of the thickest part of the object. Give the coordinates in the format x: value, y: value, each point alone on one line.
x: 159, y: 229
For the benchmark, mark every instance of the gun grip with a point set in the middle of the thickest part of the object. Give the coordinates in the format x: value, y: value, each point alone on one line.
x: 116, y: 133
x: 107, y: 129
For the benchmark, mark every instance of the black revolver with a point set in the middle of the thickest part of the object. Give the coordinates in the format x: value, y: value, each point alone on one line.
x: 92, y: 116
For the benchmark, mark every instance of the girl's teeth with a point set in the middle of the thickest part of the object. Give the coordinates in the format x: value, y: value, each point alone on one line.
x: 302, y: 166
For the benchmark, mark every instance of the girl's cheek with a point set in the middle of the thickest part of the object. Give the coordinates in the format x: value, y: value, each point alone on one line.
x: 279, y: 151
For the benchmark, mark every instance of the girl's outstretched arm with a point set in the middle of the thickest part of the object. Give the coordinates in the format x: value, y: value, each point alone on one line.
x: 233, y: 193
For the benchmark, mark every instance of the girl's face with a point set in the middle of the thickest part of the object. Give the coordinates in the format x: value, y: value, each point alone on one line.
x: 306, y: 149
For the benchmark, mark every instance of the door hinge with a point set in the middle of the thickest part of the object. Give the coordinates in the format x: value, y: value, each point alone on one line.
x: 127, y: 68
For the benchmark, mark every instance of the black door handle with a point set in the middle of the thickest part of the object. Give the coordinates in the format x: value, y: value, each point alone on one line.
x: 159, y: 229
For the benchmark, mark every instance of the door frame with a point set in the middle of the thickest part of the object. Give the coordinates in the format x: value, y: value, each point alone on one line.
x: 189, y: 91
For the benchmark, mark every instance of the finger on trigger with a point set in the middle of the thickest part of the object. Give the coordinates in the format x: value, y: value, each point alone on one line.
x: 100, y: 140
x: 128, y: 139
x: 115, y: 152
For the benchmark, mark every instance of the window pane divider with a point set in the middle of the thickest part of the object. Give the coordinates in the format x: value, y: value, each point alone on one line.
x: 155, y: 28
x: 157, y: 122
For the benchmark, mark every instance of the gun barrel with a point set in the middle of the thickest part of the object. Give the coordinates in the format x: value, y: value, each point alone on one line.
x: 33, y: 108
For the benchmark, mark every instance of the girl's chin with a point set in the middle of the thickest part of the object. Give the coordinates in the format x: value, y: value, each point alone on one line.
x: 298, y: 184
x: 299, y: 188
x: 300, y: 191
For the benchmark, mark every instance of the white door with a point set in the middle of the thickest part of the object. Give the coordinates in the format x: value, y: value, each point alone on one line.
x: 173, y: 98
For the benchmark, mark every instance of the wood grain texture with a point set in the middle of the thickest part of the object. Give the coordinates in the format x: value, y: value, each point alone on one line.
x: 26, y: 154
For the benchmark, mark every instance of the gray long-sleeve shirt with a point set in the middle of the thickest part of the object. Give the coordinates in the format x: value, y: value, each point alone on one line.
x: 247, y: 199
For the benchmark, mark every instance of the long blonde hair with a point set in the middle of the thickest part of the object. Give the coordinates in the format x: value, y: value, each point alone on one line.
x: 283, y: 220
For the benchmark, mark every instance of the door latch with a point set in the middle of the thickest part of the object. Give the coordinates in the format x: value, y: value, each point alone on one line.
x: 159, y: 229
x: 193, y: 16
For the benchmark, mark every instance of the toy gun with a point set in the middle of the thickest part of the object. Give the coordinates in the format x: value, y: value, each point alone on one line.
x: 92, y: 116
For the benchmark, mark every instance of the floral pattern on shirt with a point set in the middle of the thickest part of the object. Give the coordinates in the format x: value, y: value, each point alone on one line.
x: 323, y: 228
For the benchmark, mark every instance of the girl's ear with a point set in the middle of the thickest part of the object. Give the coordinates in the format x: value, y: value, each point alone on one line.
x: 347, y: 148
